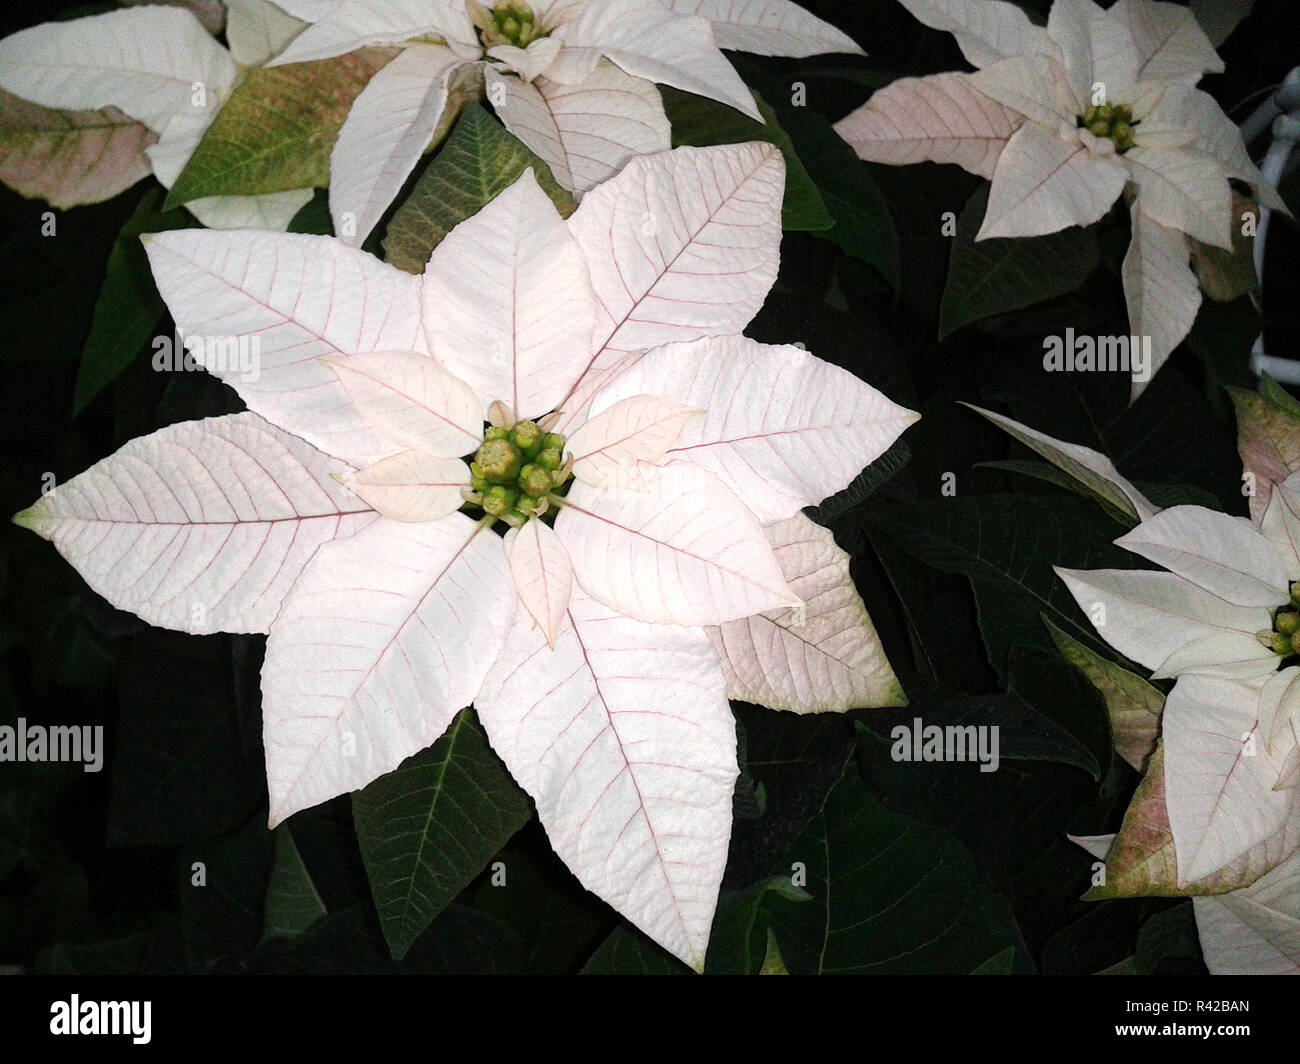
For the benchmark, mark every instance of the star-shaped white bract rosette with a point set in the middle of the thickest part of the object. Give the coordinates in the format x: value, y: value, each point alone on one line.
x: 573, y: 79
x: 1063, y: 119
x: 600, y: 650
x: 159, y: 67
x: 1225, y: 620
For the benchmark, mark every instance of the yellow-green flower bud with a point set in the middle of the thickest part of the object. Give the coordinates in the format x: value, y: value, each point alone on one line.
x: 527, y: 437
x: 498, y: 461
x: 1287, y: 622
x: 535, y: 480
x: 499, y: 501
x: 549, y: 458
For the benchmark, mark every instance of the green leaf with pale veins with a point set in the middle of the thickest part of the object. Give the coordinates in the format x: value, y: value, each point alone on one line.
x: 994, y: 276
x: 429, y: 827
x: 277, y: 130
x: 890, y: 895
x: 699, y: 122
x: 479, y: 161
x: 292, y: 903
x: 1007, y: 545
x: 129, y: 306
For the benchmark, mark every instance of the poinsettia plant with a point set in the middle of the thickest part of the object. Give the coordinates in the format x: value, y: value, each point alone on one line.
x: 1217, y: 815
x: 535, y: 559
x: 593, y: 370
x: 1065, y: 119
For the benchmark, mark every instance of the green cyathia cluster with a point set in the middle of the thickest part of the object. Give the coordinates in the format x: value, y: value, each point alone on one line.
x: 1284, y: 638
x: 1115, y: 122
x: 509, y: 22
x: 517, y: 472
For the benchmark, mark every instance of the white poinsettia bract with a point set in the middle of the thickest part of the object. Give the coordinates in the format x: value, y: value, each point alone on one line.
x: 159, y: 67
x: 573, y: 79
x: 1066, y: 118
x: 582, y: 382
x: 1224, y: 620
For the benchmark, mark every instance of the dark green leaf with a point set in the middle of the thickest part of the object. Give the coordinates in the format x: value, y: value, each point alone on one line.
x: 698, y: 121
x: 428, y: 828
x: 1007, y: 546
x: 465, y: 941
x: 988, y: 277
x: 223, y: 887
x: 292, y: 904
x: 998, y: 964
x: 345, y: 942
x: 556, y: 919
x: 1025, y: 733
x: 796, y: 760
x: 116, y: 956
x: 864, y: 485
x: 1168, y: 943
x: 890, y: 896
x: 739, y: 940
x: 1066, y: 698
x: 187, y: 765
x: 628, y: 952
x: 1013, y: 821
x: 479, y: 161
x: 864, y: 225
x: 129, y: 306
x: 1051, y: 474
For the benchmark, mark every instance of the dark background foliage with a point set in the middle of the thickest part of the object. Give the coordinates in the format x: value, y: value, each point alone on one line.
x: 909, y: 868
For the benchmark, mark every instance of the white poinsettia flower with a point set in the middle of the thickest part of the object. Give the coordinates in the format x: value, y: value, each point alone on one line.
x: 1226, y: 603
x: 158, y: 66
x: 1063, y: 119
x: 1225, y: 620
x: 573, y: 79
x: 650, y: 464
